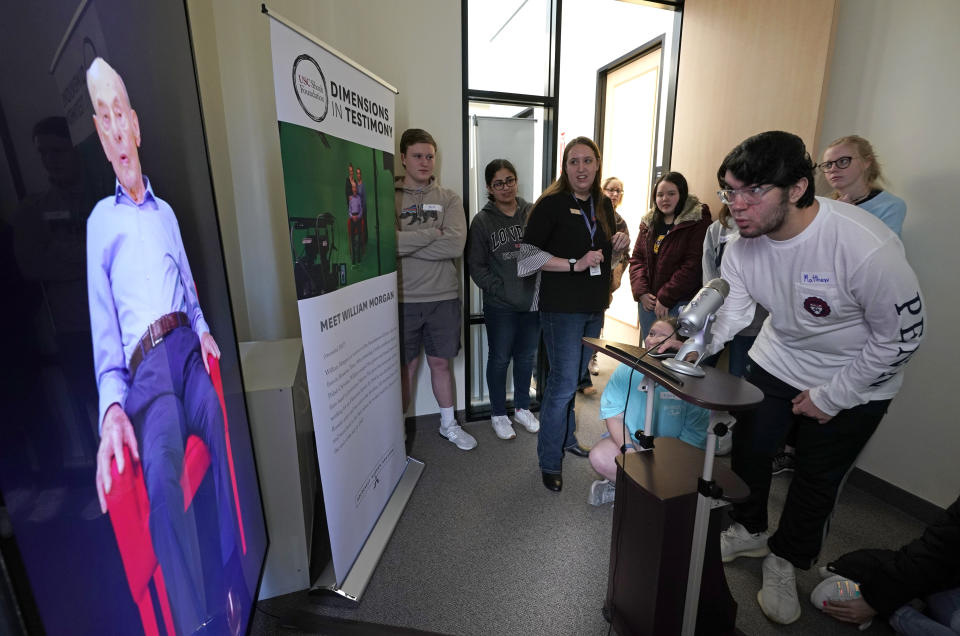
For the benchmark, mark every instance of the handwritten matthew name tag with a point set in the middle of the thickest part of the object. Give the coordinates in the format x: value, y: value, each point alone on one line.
x: 817, y: 278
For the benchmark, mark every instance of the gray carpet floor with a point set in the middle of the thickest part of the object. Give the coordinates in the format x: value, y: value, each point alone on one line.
x: 483, y: 548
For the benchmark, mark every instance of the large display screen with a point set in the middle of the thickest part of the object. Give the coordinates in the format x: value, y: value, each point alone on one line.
x: 126, y: 466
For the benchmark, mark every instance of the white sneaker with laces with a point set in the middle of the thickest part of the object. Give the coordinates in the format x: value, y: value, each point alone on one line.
x: 778, y: 596
x: 836, y: 588
x: 502, y: 427
x: 462, y: 439
x: 736, y: 541
x: 527, y: 420
x: 602, y: 492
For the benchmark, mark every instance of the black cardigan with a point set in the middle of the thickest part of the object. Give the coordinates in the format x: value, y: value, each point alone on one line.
x: 556, y: 225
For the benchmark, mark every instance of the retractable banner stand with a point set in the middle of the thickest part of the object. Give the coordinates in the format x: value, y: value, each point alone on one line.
x: 336, y: 140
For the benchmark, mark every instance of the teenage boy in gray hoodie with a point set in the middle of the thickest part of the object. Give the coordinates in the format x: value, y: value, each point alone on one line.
x: 431, y: 233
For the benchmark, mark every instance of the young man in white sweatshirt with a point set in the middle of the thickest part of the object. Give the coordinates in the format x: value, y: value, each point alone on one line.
x: 846, y: 313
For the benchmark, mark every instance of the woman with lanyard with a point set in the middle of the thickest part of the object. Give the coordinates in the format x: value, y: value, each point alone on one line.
x: 571, y: 239
x: 665, y: 267
x: 613, y: 188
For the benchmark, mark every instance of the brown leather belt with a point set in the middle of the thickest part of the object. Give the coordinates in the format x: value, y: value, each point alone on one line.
x: 155, y: 335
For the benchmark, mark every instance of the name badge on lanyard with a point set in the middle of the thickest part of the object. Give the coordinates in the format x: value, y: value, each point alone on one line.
x: 591, y: 224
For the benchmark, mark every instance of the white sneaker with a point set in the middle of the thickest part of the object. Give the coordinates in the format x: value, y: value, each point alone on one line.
x: 593, y: 366
x: 736, y: 541
x: 527, y: 420
x: 601, y: 492
x: 836, y: 588
x: 456, y: 434
x: 778, y: 596
x: 502, y: 427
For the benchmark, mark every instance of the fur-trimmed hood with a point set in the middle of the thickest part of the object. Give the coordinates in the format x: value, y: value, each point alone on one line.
x: 692, y: 211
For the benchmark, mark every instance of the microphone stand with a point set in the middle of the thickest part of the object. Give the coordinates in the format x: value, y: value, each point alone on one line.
x: 645, y: 439
x: 696, y: 344
x: 708, y: 492
x: 709, y: 495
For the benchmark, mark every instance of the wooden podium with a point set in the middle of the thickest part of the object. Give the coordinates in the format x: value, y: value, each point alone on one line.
x: 655, y: 509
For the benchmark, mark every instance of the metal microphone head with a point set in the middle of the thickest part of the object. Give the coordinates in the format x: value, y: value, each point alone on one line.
x: 708, y: 300
x: 720, y: 285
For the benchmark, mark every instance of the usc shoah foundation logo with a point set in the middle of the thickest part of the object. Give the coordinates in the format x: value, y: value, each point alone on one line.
x: 310, y: 87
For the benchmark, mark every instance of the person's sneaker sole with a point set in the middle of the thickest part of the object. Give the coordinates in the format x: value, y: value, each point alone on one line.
x: 793, y: 619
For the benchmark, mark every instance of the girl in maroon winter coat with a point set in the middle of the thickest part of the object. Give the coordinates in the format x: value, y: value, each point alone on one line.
x: 665, y: 268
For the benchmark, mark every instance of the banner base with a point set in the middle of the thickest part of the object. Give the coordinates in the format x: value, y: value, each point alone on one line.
x: 356, y: 580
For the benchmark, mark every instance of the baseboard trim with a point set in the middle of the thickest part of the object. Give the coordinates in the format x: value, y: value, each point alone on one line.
x: 897, y: 497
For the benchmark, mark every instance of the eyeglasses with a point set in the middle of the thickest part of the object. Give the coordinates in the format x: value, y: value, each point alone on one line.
x: 509, y: 182
x: 613, y: 190
x: 751, y: 194
x: 841, y: 163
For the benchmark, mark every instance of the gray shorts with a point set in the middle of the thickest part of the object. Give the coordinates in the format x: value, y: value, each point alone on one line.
x: 434, y: 325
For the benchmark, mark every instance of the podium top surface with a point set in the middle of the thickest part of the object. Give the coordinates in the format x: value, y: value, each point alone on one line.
x: 716, y: 390
x: 672, y: 468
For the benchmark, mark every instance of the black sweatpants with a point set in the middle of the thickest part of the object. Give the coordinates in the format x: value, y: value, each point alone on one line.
x: 824, y: 455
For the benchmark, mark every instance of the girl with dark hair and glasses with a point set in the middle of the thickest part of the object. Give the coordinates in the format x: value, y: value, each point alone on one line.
x: 665, y: 266
x: 511, y: 318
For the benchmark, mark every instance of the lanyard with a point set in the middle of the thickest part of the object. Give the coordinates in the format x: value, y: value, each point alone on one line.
x: 591, y: 227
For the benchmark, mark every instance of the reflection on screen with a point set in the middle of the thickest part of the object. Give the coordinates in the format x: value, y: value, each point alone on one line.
x: 126, y: 466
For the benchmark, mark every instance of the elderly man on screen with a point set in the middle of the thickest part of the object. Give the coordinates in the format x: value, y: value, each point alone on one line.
x: 150, y: 344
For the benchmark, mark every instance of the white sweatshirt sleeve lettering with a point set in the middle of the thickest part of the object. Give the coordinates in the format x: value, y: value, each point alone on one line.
x: 893, y: 314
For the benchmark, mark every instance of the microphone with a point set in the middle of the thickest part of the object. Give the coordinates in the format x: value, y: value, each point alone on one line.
x: 704, y: 305
x: 694, y: 322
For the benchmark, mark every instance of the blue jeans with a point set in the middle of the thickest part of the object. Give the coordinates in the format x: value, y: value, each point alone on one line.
x: 565, y: 352
x: 647, y: 318
x: 942, y: 617
x: 510, y: 334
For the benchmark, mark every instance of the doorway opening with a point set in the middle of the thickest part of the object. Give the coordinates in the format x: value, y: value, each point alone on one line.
x: 628, y: 107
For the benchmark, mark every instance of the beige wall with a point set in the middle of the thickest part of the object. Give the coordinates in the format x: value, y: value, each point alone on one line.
x: 894, y: 80
x: 746, y: 66
x: 400, y: 41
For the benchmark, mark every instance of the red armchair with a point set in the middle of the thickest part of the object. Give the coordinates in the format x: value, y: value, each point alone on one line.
x: 129, y: 510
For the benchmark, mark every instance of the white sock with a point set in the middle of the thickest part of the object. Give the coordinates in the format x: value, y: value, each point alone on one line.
x: 447, y: 418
